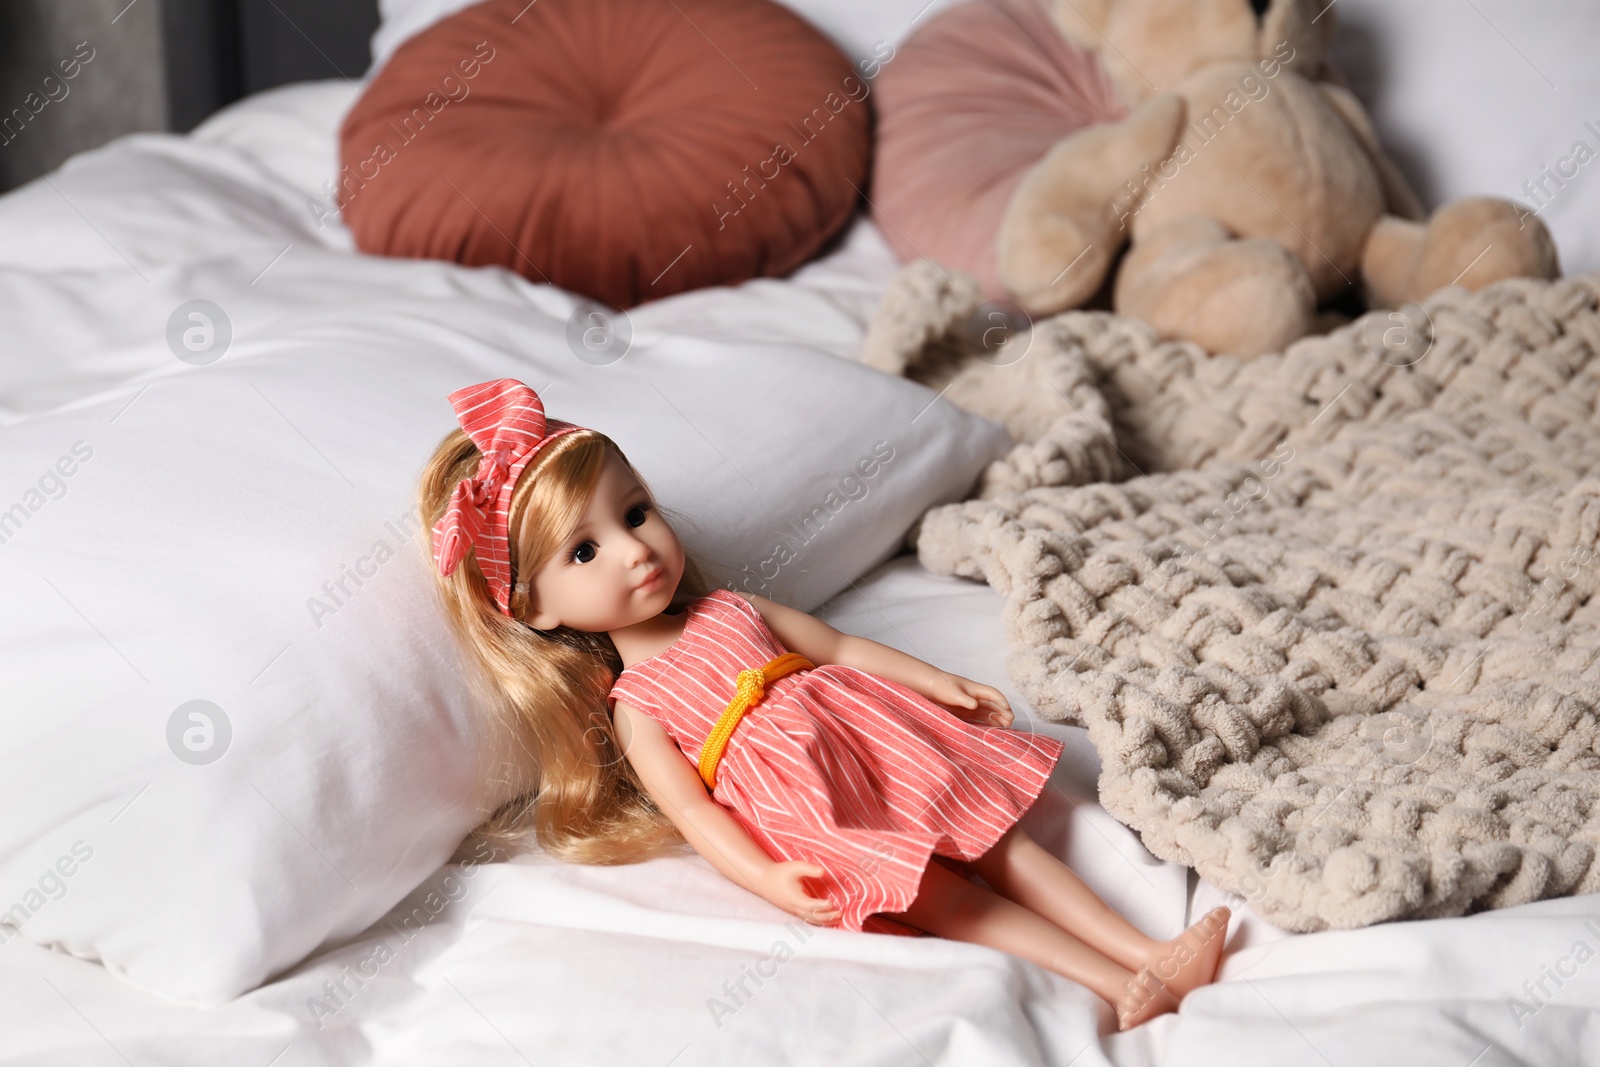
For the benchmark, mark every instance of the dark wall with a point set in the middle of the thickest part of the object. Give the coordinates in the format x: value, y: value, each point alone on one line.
x: 218, y: 50
x: 201, y: 39
x: 73, y: 75
x: 155, y: 65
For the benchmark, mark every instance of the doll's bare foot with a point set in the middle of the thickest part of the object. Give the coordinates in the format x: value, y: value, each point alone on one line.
x: 1144, y: 998
x: 1190, y: 960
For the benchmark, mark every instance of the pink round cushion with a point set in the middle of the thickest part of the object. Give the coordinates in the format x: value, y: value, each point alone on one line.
x: 626, y: 149
x: 969, y: 103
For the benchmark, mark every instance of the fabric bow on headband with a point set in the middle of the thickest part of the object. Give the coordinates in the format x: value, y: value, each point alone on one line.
x: 505, y: 419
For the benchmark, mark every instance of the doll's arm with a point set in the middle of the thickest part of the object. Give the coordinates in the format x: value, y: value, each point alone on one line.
x: 1400, y: 199
x: 676, y: 788
x: 821, y: 643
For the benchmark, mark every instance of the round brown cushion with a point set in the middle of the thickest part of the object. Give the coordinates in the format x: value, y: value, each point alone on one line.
x: 623, y: 149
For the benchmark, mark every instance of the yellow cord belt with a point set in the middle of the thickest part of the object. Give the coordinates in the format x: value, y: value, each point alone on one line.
x: 749, y: 688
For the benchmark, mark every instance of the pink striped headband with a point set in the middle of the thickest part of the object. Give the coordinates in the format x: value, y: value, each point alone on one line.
x: 505, y: 419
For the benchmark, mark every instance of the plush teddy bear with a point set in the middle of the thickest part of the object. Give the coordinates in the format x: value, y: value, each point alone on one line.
x: 1246, y: 184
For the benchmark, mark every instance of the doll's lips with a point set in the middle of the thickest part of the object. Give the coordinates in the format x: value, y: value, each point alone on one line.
x: 655, y: 577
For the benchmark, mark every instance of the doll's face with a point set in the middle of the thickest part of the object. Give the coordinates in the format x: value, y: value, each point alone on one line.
x: 620, y: 566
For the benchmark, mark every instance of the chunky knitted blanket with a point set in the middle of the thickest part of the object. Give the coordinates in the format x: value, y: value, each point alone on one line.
x: 1325, y: 614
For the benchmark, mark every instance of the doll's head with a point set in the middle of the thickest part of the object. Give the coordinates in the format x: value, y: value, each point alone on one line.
x: 618, y: 564
x: 551, y: 555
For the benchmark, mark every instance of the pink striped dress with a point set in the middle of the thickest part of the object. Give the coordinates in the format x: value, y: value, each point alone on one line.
x: 858, y: 774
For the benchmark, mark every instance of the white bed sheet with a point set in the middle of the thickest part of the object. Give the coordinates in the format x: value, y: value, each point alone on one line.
x: 534, y: 961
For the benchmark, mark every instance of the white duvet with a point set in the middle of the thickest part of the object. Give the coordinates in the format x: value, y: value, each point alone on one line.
x: 537, y: 962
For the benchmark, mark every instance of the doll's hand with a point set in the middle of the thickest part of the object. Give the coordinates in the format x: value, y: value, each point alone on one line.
x: 972, y: 701
x: 783, y: 884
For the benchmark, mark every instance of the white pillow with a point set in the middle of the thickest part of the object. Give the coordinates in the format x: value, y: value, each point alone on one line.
x: 860, y: 30
x: 236, y: 532
x: 292, y: 131
x: 399, y: 20
x: 242, y: 534
x: 1480, y: 98
x: 868, y: 33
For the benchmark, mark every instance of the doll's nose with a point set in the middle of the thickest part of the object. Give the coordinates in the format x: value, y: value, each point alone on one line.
x: 638, y: 551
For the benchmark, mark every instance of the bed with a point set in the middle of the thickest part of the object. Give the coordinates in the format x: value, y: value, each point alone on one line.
x: 534, y: 961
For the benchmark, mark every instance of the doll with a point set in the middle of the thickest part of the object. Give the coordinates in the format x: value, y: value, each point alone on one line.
x: 847, y: 783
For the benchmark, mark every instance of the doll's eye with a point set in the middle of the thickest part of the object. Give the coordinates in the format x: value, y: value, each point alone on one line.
x: 637, y: 514
x: 583, y: 553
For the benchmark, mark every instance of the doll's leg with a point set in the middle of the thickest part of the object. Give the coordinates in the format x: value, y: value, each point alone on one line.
x: 950, y: 906
x: 1023, y: 871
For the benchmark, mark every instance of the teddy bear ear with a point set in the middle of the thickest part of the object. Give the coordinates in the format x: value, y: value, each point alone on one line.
x: 1327, y: 20
x: 1084, y: 21
x: 1307, y: 26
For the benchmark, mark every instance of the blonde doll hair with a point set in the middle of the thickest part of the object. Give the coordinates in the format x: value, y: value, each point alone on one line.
x: 551, y: 738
